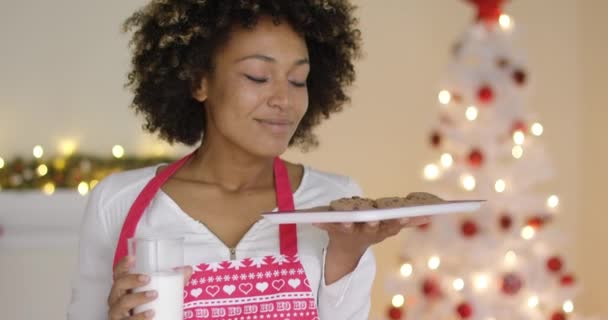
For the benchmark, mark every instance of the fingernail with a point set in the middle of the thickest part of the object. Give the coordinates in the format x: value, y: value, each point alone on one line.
x: 373, y: 223
x: 151, y: 293
x: 143, y: 278
x: 347, y: 225
x: 404, y: 221
x: 149, y: 313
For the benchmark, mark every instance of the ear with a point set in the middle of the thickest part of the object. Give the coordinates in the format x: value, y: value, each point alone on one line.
x: 200, y: 92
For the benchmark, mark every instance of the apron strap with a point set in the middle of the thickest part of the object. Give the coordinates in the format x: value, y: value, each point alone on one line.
x: 287, y: 232
x: 139, y: 206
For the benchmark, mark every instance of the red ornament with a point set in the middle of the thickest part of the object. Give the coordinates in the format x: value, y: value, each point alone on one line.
x: 395, y: 313
x: 554, y: 264
x: 469, y: 228
x: 519, y: 125
x: 511, y: 284
x: 558, y: 315
x: 485, y: 94
x: 431, y: 289
x: 475, y: 158
x: 519, y: 76
x: 464, y: 310
x: 435, y: 139
x: 488, y: 10
x: 567, y: 280
x: 537, y: 222
x: 505, y: 222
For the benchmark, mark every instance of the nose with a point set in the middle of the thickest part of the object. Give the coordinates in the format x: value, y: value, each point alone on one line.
x: 280, y: 95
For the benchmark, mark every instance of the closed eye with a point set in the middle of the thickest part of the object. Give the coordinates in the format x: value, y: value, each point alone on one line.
x: 298, y: 84
x: 256, y: 80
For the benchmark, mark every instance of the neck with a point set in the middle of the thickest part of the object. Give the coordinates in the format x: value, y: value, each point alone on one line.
x: 231, y: 168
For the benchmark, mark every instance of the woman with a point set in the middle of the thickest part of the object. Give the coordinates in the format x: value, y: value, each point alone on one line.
x: 246, y: 80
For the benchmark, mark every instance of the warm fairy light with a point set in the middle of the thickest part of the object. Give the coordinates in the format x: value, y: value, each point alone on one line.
x: 510, y: 258
x: 519, y: 137
x: 48, y: 188
x: 533, y: 301
x: 445, y: 97
x: 38, y: 151
x: 406, y: 270
x: 83, y: 188
x: 528, y: 232
x: 553, y: 201
x: 431, y: 172
x: 118, y: 151
x: 42, y: 170
x: 537, y: 129
x: 434, y: 262
x: 500, y: 185
x: 518, y: 152
x: 505, y: 21
x: 398, y: 301
x: 67, y: 147
x: 93, y: 183
x: 458, y: 284
x: 447, y: 160
x: 1, y: 163
x: 468, y: 182
x: 471, y: 113
x: 482, y: 282
x: 568, y: 306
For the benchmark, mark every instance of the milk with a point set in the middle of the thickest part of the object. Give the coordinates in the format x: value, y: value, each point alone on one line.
x: 169, y: 304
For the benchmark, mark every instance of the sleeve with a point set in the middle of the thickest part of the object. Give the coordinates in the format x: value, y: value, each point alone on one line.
x: 93, y: 278
x: 343, y: 299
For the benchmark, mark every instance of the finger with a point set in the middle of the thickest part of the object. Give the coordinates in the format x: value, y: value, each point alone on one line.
x: 417, y: 221
x: 123, y: 267
x: 371, y: 227
x: 127, y: 282
x: 130, y: 301
x: 187, y: 271
x: 347, y: 227
x: 148, y: 314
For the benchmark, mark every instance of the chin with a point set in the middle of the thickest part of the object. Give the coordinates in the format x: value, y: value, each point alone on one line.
x: 270, y: 149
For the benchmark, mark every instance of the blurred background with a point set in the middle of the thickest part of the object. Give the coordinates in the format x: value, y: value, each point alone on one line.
x: 63, y: 65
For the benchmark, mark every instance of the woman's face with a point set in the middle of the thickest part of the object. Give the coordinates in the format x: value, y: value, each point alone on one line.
x: 256, y: 94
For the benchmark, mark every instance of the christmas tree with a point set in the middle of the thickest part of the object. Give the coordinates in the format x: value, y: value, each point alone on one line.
x: 502, y: 262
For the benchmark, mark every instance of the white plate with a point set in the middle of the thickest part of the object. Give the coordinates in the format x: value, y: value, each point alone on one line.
x: 324, y: 216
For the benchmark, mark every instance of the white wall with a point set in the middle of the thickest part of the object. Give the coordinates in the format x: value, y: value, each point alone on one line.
x: 63, y: 64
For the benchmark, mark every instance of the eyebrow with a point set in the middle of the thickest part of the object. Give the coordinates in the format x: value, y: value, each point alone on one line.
x: 270, y: 59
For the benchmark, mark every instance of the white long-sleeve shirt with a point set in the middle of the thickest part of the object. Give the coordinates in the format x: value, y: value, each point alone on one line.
x: 110, y: 201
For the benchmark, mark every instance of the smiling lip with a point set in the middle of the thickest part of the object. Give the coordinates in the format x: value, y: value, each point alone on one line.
x: 276, y: 125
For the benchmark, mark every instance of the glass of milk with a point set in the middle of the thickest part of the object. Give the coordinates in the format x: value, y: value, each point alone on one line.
x: 161, y: 259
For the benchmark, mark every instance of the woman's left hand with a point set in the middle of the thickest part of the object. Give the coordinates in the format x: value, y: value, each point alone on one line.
x: 348, y: 242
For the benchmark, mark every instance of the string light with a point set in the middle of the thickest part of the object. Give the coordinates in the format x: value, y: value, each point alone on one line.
x: 83, y: 188
x: 553, y: 201
x: 468, y: 182
x: 447, y: 160
x: 528, y: 232
x: 48, y: 188
x: 533, y: 301
x: 38, y: 151
x: 500, y: 186
x: 67, y: 147
x: 482, y: 282
x: 93, y: 183
x: 434, y: 262
x: 505, y: 21
x: 519, y: 137
x: 406, y: 270
x: 431, y: 172
x: 537, y: 129
x: 517, y: 152
x: 444, y: 97
x: 458, y: 284
x: 42, y: 170
x: 568, y: 306
x: 471, y: 113
x: 1, y: 163
x: 398, y: 301
x: 510, y: 258
x: 118, y: 151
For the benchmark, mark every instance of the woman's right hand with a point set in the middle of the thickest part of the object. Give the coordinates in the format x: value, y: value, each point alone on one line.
x: 122, y: 300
